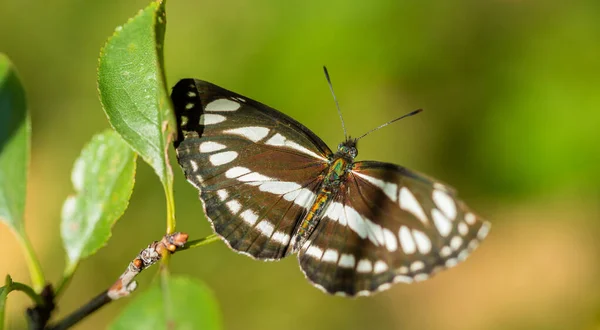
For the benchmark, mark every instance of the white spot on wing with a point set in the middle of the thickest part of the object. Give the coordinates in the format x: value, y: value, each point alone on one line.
x: 302, y: 197
x: 470, y: 218
x: 403, y: 279
x: 442, y: 223
x: 421, y: 277
x: 234, y: 206
x: 473, y: 244
x: 406, y: 240
x: 314, y: 251
x: 281, y: 237
x: 222, y: 105
x: 445, y: 251
x: 363, y: 293
x: 237, y: 171
x: 380, y: 267
x: 279, y: 187
x: 417, y: 266
x: 223, y: 194
x: 445, y: 203
x: 222, y: 157
x: 279, y: 140
x: 210, y: 146
x: 437, y: 185
x: 462, y: 256
x: 423, y: 242
x: 252, y: 133
x: 463, y: 229
x: 265, y: 227
x: 254, y: 178
x: 375, y: 233
x: 355, y: 222
x: 390, y: 240
x: 334, y: 210
x: 211, y: 119
x: 409, y: 203
x: 483, y: 231
x: 456, y: 242
x: 343, y: 219
x: 330, y: 255
x: 347, y: 261
x: 364, y: 266
x: 249, y: 217
x: 451, y: 262
x: 390, y: 189
x: 194, y: 165
x: 384, y: 286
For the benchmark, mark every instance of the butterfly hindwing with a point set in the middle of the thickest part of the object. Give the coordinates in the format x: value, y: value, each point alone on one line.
x: 388, y: 224
x: 256, y: 168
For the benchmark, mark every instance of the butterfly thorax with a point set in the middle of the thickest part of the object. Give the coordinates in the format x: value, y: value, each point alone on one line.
x: 334, y: 180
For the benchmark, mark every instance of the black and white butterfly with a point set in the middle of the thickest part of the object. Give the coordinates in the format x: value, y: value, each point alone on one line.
x: 271, y: 188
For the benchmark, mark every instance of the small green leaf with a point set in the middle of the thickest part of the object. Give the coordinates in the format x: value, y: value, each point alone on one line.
x: 133, y: 89
x: 191, y: 305
x: 103, y: 178
x: 15, y: 130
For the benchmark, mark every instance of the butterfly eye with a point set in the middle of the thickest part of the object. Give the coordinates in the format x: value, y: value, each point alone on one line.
x: 353, y: 152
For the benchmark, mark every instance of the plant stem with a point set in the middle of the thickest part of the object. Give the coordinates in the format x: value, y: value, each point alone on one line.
x: 168, y: 187
x: 125, y: 284
x: 166, y: 295
x: 64, y: 282
x: 199, y: 242
x: 35, y: 269
x: 81, y: 313
x: 16, y: 286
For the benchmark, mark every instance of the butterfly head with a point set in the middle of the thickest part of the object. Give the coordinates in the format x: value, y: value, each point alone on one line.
x: 348, y: 149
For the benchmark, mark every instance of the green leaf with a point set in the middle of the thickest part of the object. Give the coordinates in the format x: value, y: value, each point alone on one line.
x: 103, y: 178
x: 15, y: 130
x: 133, y: 91
x: 189, y: 301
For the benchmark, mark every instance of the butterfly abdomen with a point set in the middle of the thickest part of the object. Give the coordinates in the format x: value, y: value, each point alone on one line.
x: 332, y: 183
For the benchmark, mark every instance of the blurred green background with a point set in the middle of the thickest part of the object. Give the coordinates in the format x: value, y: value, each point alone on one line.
x: 511, y: 92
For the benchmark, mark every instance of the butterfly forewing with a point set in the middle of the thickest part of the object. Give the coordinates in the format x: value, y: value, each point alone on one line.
x: 388, y: 225
x: 256, y: 169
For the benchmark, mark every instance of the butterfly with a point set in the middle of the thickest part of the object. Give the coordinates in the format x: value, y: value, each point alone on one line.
x: 270, y: 188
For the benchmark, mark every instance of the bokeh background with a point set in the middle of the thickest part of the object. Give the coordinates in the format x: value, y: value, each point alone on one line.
x: 511, y: 92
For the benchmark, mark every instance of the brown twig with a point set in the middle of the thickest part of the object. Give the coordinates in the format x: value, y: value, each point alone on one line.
x: 38, y: 315
x: 125, y: 285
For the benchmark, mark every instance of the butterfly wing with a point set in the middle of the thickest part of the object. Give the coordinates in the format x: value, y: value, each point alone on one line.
x: 387, y: 225
x: 257, y: 169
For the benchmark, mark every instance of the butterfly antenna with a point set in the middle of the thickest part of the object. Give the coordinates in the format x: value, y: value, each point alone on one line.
x: 389, y: 122
x: 336, y: 102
